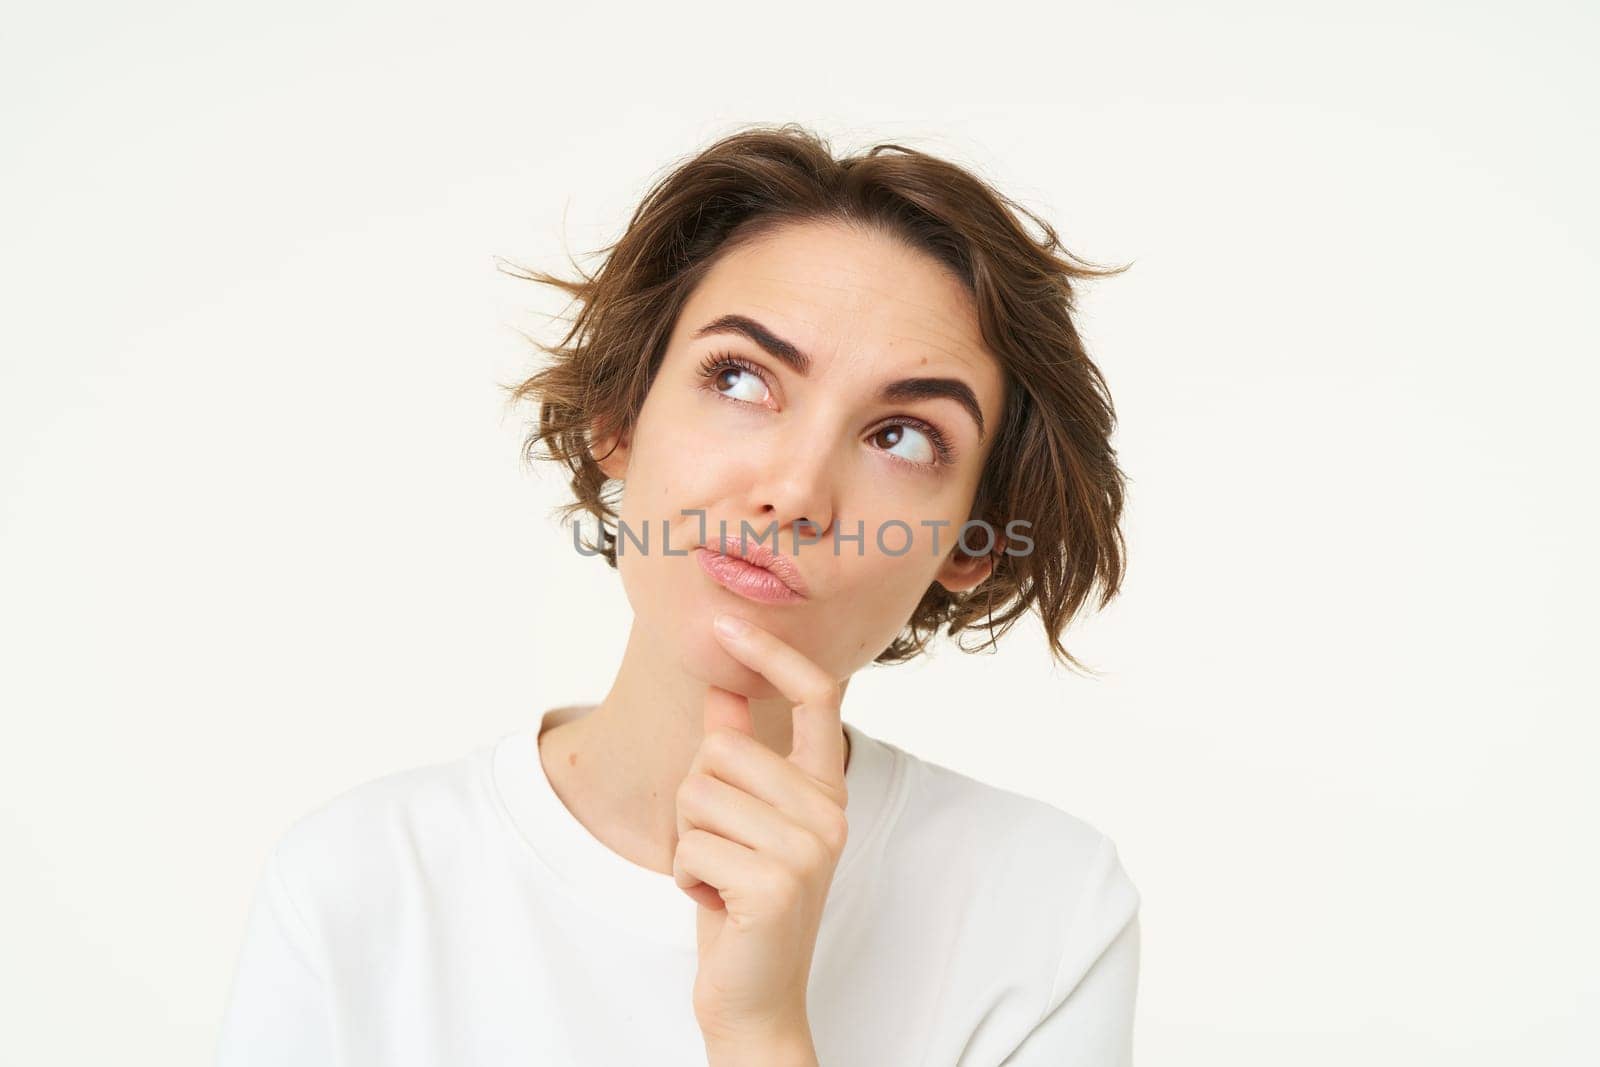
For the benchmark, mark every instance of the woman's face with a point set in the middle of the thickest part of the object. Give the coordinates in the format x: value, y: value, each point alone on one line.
x: 733, y: 431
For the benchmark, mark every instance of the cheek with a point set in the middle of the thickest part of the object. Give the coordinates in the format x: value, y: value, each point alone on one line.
x: 879, y: 592
x: 654, y: 582
x: 904, y: 539
x: 673, y: 471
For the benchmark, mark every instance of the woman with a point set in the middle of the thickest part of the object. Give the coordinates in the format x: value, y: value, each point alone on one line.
x: 821, y: 409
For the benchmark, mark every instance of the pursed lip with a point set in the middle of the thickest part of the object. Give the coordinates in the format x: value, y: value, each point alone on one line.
x: 759, y: 555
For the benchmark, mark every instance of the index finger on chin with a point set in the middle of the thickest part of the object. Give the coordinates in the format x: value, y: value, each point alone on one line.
x: 818, y: 745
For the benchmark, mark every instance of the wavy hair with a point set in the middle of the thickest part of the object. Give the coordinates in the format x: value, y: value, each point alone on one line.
x: 1052, y: 462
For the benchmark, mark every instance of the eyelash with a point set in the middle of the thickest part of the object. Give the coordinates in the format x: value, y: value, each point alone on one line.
x: 716, y: 363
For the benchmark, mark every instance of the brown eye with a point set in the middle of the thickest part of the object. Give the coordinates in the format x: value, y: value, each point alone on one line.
x: 907, y: 443
x: 735, y: 378
x: 726, y: 375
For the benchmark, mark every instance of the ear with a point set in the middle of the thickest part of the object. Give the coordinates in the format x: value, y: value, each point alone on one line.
x: 959, y: 573
x: 611, y: 452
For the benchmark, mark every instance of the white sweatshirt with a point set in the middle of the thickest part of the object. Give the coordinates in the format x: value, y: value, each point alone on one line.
x: 458, y: 915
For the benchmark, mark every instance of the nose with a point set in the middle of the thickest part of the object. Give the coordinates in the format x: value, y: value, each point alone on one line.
x: 795, y: 486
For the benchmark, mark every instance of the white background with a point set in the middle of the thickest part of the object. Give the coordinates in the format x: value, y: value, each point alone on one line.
x: 266, y: 535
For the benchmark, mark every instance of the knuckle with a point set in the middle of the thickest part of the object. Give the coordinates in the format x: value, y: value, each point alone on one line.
x: 780, y: 886
x: 722, y: 743
x: 696, y: 790
x: 810, y: 852
x: 825, y: 691
x: 836, y: 832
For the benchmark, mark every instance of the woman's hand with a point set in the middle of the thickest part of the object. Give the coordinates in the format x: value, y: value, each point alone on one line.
x: 759, y: 836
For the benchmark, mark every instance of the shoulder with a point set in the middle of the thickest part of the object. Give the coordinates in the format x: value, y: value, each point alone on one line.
x: 1017, y: 831
x: 370, y: 840
x: 1023, y: 860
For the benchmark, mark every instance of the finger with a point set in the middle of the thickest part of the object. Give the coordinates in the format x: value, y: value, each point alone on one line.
x: 750, y: 766
x: 705, y: 896
x: 701, y: 893
x: 724, y: 865
x: 711, y: 804
x: 722, y: 710
x: 818, y: 745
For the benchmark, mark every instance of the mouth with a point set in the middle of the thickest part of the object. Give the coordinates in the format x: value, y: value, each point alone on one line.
x: 752, y: 571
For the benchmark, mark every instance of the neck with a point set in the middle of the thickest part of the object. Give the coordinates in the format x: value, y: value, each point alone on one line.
x: 617, y: 767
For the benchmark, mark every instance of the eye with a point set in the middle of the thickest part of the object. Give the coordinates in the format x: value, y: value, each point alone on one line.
x: 734, y: 378
x: 913, y: 443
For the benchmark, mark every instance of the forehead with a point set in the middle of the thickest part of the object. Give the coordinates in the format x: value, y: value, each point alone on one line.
x: 856, y: 302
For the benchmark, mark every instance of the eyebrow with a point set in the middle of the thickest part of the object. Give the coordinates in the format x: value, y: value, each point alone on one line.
x: 903, y: 389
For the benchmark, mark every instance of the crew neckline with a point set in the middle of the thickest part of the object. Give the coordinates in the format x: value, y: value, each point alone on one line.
x: 649, y: 903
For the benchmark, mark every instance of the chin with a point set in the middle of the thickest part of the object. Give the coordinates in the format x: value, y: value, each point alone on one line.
x: 706, y: 659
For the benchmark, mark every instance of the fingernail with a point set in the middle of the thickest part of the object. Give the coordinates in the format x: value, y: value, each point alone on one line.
x: 730, y: 625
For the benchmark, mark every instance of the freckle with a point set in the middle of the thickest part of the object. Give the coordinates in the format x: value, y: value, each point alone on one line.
x: 572, y: 759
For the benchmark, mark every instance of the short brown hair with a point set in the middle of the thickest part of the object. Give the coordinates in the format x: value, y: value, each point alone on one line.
x: 1052, y: 462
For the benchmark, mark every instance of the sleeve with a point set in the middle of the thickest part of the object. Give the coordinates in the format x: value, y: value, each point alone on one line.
x: 279, y: 1011
x: 1088, y: 1019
